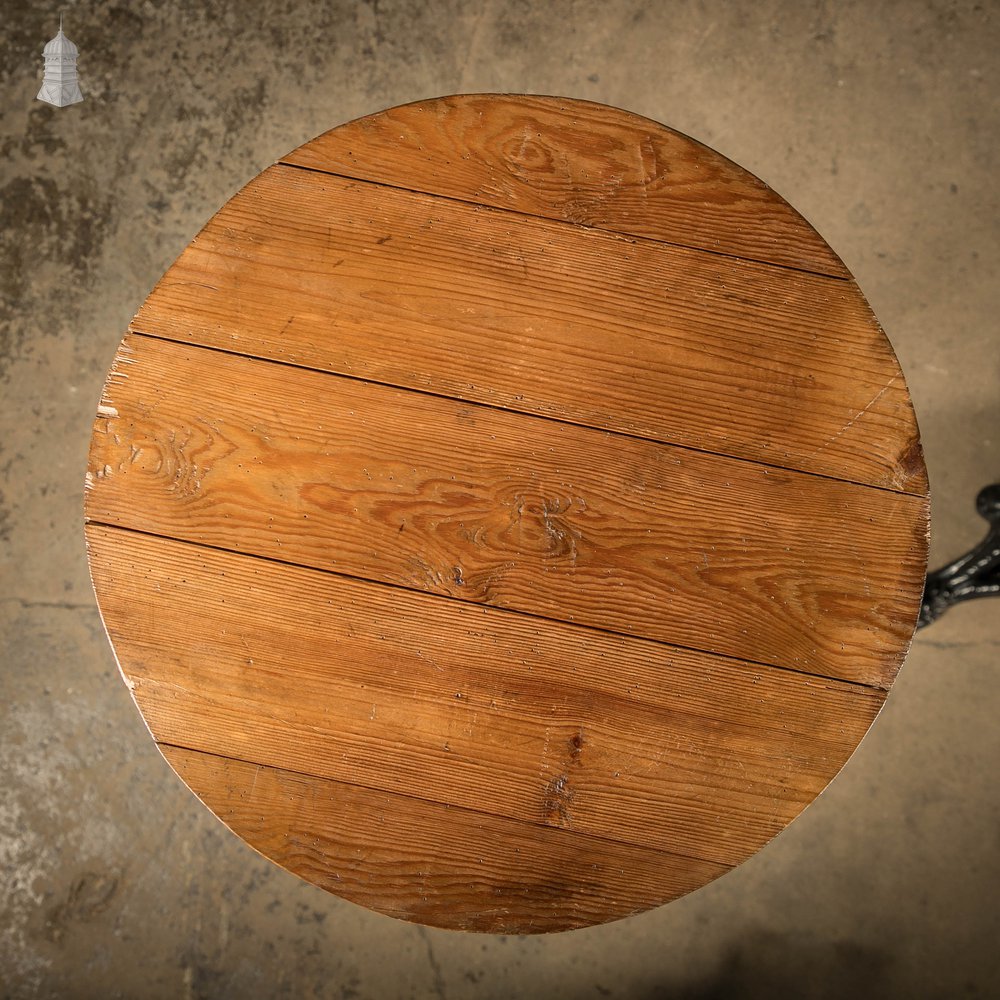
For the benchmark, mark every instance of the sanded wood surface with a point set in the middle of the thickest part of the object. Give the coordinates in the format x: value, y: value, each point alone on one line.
x: 577, y: 162
x: 682, y: 347
x: 507, y: 513
x: 509, y: 510
x: 451, y: 868
x: 535, y: 726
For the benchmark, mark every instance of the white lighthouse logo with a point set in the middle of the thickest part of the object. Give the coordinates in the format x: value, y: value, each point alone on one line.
x: 60, y: 86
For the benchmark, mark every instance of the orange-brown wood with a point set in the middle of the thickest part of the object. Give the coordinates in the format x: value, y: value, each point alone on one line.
x: 509, y: 510
x: 577, y: 162
x: 507, y: 513
x: 687, y: 348
x: 494, y: 712
x: 447, y: 867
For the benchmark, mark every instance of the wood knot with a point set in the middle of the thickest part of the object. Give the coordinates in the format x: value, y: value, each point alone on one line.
x: 525, y: 153
x: 542, y: 525
x: 911, y: 471
x: 556, y: 800
x: 557, y: 797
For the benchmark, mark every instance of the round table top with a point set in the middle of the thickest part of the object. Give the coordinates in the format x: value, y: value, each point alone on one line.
x: 507, y: 513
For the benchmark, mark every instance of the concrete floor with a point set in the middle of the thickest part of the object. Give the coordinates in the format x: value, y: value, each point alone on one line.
x: 879, y: 121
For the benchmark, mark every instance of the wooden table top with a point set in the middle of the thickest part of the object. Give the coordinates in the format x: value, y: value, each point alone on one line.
x: 507, y: 513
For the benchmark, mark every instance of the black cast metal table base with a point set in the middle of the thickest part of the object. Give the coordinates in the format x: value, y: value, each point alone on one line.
x: 976, y: 574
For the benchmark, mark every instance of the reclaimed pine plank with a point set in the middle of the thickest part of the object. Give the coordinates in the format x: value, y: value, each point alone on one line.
x: 508, y: 510
x: 578, y: 162
x: 479, y: 708
x: 589, y: 327
x: 507, y: 513
x: 451, y: 868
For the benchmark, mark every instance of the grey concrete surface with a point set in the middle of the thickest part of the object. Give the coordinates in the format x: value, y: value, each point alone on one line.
x: 880, y: 121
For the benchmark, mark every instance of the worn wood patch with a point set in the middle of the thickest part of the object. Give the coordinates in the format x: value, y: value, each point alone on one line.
x: 509, y: 510
x: 451, y: 868
x: 577, y: 162
x: 537, y: 721
x: 677, y: 346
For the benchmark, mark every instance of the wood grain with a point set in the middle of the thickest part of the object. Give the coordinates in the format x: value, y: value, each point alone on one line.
x: 671, y: 750
x: 456, y: 868
x: 578, y: 162
x: 674, y: 345
x: 507, y: 513
x: 509, y: 510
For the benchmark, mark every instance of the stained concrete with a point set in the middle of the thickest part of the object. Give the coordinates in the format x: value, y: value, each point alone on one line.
x: 879, y: 121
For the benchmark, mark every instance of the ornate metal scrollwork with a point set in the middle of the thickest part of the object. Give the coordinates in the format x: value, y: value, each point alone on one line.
x: 976, y: 574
